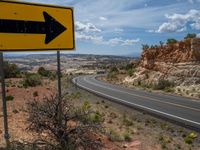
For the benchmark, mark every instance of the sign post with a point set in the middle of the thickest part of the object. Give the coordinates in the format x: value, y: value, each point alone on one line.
x: 59, y: 86
x: 34, y: 27
x: 4, y: 106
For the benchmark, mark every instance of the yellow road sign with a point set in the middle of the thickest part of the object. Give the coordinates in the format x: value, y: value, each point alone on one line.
x: 35, y: 27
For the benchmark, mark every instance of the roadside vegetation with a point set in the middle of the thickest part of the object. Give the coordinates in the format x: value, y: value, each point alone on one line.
x: 72, y: 128
x: 113, y: 72
x: 46, y: 73
x: 11, y: 70
x: 164, y: 85
x: 31, y: 80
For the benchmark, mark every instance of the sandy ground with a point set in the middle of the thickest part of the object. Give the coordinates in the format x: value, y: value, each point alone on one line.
x: 16, y: 109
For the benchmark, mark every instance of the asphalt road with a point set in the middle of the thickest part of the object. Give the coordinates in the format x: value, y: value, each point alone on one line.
x: 179, y: 109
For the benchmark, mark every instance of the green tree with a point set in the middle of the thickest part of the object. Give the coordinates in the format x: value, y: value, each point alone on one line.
x: 32, y: 80
x: 145, y: 46
x: 161, y: 43
x: 43, y: 72
x: 171, y: 41
x: 190, y: 36
x: 114, y: 69
x: 11, y: 70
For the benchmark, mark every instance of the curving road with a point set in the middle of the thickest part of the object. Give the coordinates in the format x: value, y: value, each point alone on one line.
x: 175, y: 108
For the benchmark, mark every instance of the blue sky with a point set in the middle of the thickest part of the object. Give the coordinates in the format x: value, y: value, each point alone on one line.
x: 120, y: 27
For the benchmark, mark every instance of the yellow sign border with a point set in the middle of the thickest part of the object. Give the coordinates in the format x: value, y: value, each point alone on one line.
x: 43, y: 49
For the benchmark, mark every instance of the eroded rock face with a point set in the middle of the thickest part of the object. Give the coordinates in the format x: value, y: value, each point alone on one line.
x: 179, y: 63
x: 181, y: 52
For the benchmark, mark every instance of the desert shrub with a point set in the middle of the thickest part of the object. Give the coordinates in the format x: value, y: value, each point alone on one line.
x: 129, y: 66
x: 106, y: 106
x: 35, y: 94
x: 75, y: 95
x: 127, y: 136
x: 9, y: 98
x: 32, y: 80
x: 11, y: 70
x: 70, y: 127
x: 15, y: 111
x: 163, y: 84
x: 169, y: 89
x: 43, y: 72
x: 114, y: 136
x: 127, y: 121
x: 131, y: 72
x: 171, y: 41
x: 112, y: 75
x: 114, y: 69
x: 96, y: 117
x: 46, y: 73
x: 86, y: 106
x: 190, y: 137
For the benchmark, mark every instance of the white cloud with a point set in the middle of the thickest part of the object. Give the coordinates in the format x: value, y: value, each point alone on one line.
x: 87, y: 27
x: 118, y: 30
x: 150, y: 31
x: 120, y: 41
x: 196, y: 25
x: 167, y: 27
x: 198, y: 35
x: 103, y: 18
x: 178, y: 22
x: 111, y: 42
x: 85, y: 37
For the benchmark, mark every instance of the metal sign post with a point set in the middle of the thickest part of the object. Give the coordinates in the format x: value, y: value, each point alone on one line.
x: 3, y: 90
x: 59, y: 87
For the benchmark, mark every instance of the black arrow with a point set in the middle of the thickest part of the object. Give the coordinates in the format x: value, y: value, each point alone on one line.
x: 50, y: 27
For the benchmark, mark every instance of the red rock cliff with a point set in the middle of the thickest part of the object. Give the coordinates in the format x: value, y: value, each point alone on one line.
x: 180, y: 52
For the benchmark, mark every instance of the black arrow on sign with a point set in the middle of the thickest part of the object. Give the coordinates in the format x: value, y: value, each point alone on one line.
x: 50, y: 27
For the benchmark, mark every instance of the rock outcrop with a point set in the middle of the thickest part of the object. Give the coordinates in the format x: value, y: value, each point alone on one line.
x: 178, y: 62
x: 180, y: 52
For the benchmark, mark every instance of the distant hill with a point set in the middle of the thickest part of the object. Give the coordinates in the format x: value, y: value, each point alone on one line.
x: 41, y: 56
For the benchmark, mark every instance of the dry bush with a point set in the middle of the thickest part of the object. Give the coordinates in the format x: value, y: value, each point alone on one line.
x: 72, y: 129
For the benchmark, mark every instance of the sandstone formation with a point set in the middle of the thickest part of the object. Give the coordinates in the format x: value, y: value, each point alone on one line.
x: 179, y: 63
x: 180, y: 52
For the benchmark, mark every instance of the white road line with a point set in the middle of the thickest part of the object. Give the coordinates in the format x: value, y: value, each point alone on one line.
x: 137, y: 105
x: 153, y: 99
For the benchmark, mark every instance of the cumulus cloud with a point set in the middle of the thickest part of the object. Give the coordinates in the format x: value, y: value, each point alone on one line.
x: 178, y: 22
x: 89, y: 32
x: 103, y: 18
x: 86, y: 27
x: 198, y: 35
x: 111, y: 42
x: 84, y: 37
x: 120, y: 41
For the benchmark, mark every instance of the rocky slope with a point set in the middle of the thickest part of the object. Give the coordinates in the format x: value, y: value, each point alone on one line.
x: 178, y: 63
